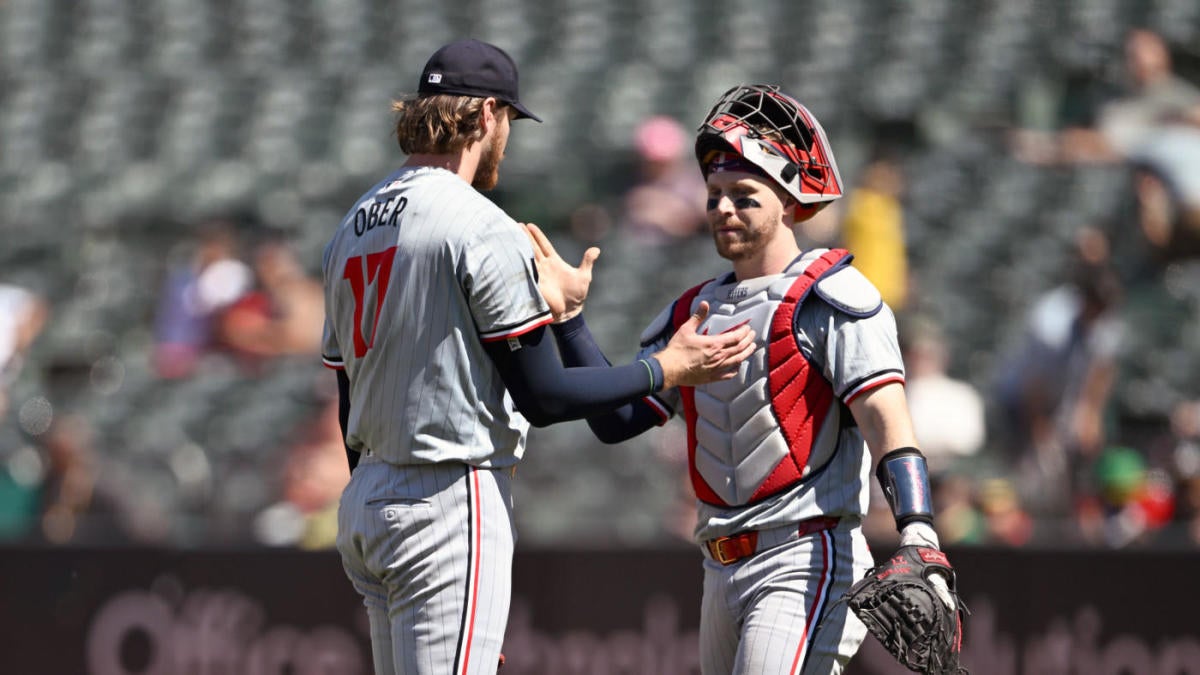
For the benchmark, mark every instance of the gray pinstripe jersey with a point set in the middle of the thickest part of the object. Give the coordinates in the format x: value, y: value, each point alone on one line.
x: 855, y: 354
x: 419, y: 274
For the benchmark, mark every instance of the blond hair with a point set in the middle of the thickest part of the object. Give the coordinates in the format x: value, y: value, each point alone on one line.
x: 439, y: 124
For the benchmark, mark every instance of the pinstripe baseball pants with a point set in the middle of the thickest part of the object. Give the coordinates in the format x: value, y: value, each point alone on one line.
x: 776, y: 612
x: 430, y: 550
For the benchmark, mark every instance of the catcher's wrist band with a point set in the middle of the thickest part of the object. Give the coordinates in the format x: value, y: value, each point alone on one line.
x: 904, y: 477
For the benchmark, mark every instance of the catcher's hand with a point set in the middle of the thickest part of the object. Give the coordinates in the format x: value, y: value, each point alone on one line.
x: 902, y: 605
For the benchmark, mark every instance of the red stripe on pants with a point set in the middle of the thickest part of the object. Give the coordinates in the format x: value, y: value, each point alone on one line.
x: 818, y: 600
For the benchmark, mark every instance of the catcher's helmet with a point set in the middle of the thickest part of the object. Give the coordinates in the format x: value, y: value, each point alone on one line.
x: 775, y: 133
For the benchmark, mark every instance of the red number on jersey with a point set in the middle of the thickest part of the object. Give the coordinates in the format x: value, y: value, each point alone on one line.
x: 362, y: 271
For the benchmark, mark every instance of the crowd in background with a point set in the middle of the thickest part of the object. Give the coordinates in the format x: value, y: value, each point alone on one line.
x: 232, y: 299
x: 1035, y: 449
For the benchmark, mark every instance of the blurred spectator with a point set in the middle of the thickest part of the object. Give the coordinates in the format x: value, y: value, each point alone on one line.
x: 1190, y: 498
x: 19, y: 475
x: 873, y: 229
x: 957, y: 518
x: 192, y: 296
x: 23, y: 314
x: 281, y: 316
x: 1131, y: 500
x: 1155, y: 96
x: 314, y: 473
x: 1167, y: 192
x: 70, y: 485
x: 667, y: 202
x: 1156, y: 128
x: 947, y: 414
x: 75, y: 503
x: 1158, y: 97
x: 1054, y: 384
x: 1184, y: 459
x: 1006, y: 520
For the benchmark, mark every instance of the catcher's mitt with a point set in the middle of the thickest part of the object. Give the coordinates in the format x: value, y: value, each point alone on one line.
x: 905, y: 611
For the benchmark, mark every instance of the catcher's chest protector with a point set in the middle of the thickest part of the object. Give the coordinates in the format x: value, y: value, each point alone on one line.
x: 752, y: 436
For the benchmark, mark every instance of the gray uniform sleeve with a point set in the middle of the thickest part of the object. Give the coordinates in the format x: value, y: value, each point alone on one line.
x: 331, y: 354
x: 856, y: 354
x: 497, y: 275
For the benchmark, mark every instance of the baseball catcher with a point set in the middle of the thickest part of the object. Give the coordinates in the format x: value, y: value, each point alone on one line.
x: 778, y: 453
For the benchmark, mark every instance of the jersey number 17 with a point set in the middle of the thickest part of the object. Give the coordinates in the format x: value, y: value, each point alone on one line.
x: 362, y: 271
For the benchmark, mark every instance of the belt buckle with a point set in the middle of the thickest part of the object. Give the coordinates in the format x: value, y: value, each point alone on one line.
x: 739, y: 546
x: 717, y: 551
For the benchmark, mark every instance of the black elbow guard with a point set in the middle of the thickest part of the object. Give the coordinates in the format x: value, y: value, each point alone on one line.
x: 904, y: 477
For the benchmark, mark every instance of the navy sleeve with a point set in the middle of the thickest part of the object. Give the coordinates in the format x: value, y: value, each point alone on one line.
x: 624, y: 423
x: 577, y: 346
x: 546, y: 392
x: 534, y: 372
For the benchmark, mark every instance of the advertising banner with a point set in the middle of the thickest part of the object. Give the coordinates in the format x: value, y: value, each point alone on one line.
x: 621, y: 612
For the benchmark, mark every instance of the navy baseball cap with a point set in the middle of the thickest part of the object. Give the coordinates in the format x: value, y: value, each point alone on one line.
x: 474, y: 68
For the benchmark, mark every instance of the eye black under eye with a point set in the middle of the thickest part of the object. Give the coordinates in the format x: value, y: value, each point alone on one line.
x: 738, y: 203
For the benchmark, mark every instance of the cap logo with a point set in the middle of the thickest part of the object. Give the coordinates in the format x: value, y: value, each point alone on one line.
x: 473, y: 69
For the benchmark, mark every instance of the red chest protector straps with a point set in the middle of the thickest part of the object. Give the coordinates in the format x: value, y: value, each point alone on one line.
x: 800, y: 395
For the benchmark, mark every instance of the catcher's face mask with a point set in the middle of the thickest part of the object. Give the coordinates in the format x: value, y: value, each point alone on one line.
x: 775, y: 133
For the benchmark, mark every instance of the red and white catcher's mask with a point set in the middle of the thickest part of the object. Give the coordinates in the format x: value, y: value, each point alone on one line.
x: 765, y: 128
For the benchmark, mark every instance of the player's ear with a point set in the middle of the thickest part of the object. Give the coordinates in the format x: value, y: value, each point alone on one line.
x: 489, y: 115
x: 789, y: 207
